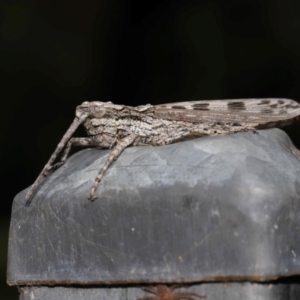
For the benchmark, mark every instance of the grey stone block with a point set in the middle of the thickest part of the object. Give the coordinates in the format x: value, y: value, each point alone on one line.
x: 212, y: 291
x: 210, y: 209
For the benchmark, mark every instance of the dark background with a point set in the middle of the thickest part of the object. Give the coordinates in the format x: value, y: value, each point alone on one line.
x: 55, y: 54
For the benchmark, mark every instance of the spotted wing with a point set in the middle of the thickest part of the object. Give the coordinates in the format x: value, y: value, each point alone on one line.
x: 259, y: 112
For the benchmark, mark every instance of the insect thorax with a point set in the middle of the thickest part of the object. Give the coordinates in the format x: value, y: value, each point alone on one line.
x: 106, y: 130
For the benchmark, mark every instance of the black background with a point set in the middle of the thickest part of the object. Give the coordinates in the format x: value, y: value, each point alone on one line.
x: 56, y: 54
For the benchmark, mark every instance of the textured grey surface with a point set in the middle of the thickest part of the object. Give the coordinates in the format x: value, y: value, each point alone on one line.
x: 213, y: 291
x: 215, y: 208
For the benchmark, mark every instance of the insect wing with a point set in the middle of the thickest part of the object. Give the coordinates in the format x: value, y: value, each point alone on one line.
x: 246, y: 111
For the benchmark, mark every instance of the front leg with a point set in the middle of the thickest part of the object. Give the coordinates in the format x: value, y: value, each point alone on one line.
x: 113, y: 155
x: 83, y: 142
x: 77, y: 121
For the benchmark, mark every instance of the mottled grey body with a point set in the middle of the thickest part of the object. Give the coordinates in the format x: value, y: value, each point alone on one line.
x: 117, y: 126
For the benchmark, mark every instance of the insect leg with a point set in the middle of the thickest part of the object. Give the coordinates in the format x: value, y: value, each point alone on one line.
x: 83, y: 142
x: 114, y: 154
x: 77, y: 121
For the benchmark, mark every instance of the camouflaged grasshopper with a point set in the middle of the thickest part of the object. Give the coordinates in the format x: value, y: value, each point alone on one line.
x: 118, y: 126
